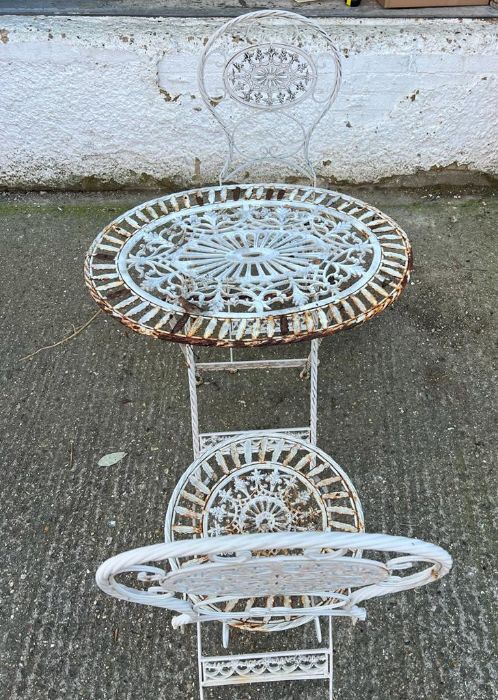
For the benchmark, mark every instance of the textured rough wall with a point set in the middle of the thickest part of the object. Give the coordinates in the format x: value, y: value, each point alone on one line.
x: 94, y: 101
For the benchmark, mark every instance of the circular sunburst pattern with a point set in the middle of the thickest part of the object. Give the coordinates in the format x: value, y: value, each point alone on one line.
x: 249, y: 257
x: 248, y: 265
x: 266, y: 514
x: 264, y: 498
x: 262, y: 483
x: 270, y: 75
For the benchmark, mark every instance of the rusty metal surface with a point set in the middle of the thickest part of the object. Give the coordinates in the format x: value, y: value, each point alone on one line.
x: 289, y: 307
x: 262, y: 482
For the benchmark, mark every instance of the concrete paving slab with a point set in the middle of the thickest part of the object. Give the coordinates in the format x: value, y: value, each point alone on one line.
x: 407, y: 407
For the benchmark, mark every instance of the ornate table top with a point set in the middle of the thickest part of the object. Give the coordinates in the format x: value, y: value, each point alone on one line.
x: 248, y: 265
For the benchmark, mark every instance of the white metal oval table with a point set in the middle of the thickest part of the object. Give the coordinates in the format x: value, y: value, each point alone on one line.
x: 248, y: 265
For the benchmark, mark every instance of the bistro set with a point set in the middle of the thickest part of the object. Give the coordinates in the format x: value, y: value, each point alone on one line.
x: 264, y: 532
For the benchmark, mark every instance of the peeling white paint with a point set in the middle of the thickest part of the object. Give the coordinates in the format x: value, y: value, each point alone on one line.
x: 79, y: 98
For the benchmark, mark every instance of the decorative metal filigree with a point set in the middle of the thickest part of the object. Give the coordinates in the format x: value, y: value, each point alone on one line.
x: 280, y: 64
x: 264, y: 499
x: 270, y: 75
x: 249, y: 669
x: 262, y: 483
x: 245, y: 266
x: 208, y: 440
x: 250, y: 257
x: 231, y: 568
x: 323, y: 577
x: 248, y: 265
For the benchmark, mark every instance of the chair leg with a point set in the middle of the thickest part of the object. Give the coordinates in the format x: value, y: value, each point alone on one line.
x: 310, y: 369
x: 331, y: 661
x: 235, y: 669
x: 199, y: 661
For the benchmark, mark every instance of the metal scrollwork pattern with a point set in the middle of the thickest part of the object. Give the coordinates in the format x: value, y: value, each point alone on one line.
x: 277, y: 63
x: 263, y: 483
x: 275, y: 576
x: 269, y: 76
x: 258, y: 667
x: 231, y: 569
x: 264, y: 499
x: 248, y: 265
x: 250, y: 257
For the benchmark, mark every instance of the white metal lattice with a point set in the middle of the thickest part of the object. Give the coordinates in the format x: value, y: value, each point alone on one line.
x: 250, y: 543
x: 262, y: 483
x: 319, y: 564
x: 313, y: 565
x: 269, y: 77
x: 248, y: 265
x: 251, y: 257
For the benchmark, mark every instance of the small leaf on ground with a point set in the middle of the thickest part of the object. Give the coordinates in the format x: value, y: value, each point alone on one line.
x: 111, y: 458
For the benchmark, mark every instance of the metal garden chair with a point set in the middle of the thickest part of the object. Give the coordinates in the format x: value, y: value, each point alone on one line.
x: 265, y: 533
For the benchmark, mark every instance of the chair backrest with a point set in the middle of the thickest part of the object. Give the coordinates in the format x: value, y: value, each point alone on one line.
x: 268, y: 77
x: 311, y: 564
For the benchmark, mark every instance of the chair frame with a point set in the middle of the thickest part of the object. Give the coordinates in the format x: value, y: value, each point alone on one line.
x: 195, y: 370
x: 224, y: 560
x: 262, y: 482
x: 246, y: 60
x: 318, y: 665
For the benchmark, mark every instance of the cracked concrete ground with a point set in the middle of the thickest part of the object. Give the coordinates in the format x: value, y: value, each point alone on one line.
x: 406, y: 407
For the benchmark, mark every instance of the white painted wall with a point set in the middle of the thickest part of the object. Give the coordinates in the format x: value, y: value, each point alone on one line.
x: 79, y: 99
